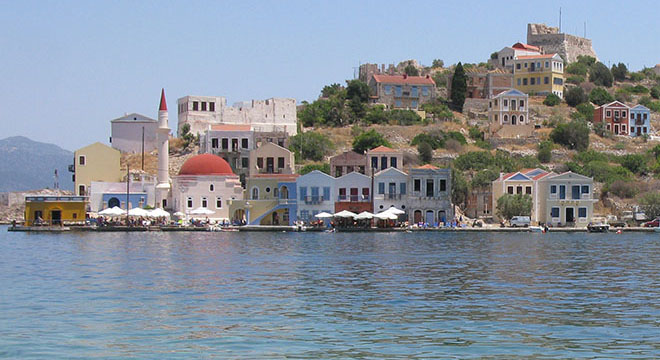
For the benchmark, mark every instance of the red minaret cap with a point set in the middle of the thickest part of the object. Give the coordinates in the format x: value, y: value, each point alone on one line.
x: 163, y: 103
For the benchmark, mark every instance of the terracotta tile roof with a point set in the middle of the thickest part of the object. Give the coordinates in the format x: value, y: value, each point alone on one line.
x: 546, y: 56
x: 231, y: 127
x: 520, y: 45
x: 381, y: 149
x: 428, y: 166
x: 404, y: 79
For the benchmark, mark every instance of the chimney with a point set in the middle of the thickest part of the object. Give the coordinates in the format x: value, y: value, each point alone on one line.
x: 405, y: 76
x: 428, y: 76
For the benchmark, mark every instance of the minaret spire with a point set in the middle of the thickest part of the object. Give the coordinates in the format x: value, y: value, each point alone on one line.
x: 163, y: 133
x: 163, y: 103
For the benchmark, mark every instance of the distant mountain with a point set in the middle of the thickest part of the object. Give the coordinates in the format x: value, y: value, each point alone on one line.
x: 28, y: 165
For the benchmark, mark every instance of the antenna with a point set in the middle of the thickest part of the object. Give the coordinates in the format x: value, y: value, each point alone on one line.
x: 560, y: 19
x: 585, y: 30
x: 56, y: 185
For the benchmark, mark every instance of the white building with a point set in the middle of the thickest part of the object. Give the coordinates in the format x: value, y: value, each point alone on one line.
x: 140, y: 193
x: 508, y: 115
x: 390, y: 189
x: 429, y: 198
x: 315, y: 191
x: 206, y: 181
x: 127, y: 133
x: 353, y: 193
x: 569, y: 199
x: 270, y: 115
x: 506, y: 56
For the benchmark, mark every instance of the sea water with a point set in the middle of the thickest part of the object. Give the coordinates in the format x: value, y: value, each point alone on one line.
x: 329, y: 295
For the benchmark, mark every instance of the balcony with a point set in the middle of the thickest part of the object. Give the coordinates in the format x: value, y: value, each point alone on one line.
x: 313, y: 200
x: 353, y: 198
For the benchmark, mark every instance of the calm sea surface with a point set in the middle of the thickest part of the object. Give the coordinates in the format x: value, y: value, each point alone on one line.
x: 329, y: 296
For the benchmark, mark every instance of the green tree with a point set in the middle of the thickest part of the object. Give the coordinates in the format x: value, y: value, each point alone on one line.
x: 425, y: 152
x: 437, y: 63
x: 636, y: 163
x: 484, y: 178
x: 619, y: 72
x: 376, y: 115
x: 310, y: 145
x: 655, y: 92
x: 552, y: 100
x: 600, y: 96
x: 187, y: 136
x: 459, y: 188
x: 651, y: 204
x: 577, y: 68
x: 324, y: 167
x: 575, y: 96
x: 357, y: 89
x: 458, y: 88
x: 587, y: 110
x: 509, y: 205
x: 368, y: 140
x: 574, y: 135
x: 600, y: 75
x: 411, y: 70
x: 587, y: 60
x: 435, y: 140
x: 403, y: 117
x: 545, y: 151
x: 332, y: 90
x: 474, y: 160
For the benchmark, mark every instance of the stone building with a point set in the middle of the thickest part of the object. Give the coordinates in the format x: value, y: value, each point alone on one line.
x: 525, y: 182
x: 271, y: 158
x: 390, y: 189
x: 550, y: 40
x: 270, y: 115
x: 566, y: 200
x: 381, y: 158
x: 482, y: 84
x: 429, y: 198
x: 348, y: 162
x: 401, y: 91
x: 231, y: 142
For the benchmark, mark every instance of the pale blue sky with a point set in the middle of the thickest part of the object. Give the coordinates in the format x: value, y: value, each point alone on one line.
x: 68, y: 67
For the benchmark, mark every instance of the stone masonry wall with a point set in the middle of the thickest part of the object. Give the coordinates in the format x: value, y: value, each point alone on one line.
x: 551, y: 41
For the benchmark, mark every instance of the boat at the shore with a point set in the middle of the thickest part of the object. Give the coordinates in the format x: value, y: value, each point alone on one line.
x: 598, y: 228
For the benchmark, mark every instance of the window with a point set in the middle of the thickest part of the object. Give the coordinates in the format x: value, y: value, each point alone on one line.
x: 553, y: 189
x: 214, y: 143
x: 531, y: 81
x: 304, y: 215
x: 280, y: 162
x: 547, y: 64
x: 204, y: 202
x: 582, y: 212
x: 203, y: 105
x: 425, y: 91
x: 397, y: 103
x: 255, y: 193
x: 558, y: 81
x: 81, y: 160
x: 211, y: 106
x: 393, y: 161
x: 225, y: 144
x: 522, y: 119
x: 402, y: 188
x: 374, y: 162
x: 189, y: 202
x: 81, y: 190
x: 326, y: 193
x: 383, y: 162
x: 554, y: 212
x: 509, y: 190
x: 388, y: 89
x: 417, y: 185
x: 211, y: 187
x: 575, y: 192
x: 443, y: 185
x: 365, y: 193
x: 506, y: 102
x: 397, y: 91
x: 430, y: 191
x: 218, y: 203
x: 525, y: 81
x: 528, y: 190
x: 195, y: 106
x: 413, y: 104
x: 623, y: 114
x: 608, y: 113
x: 546, y: 80
x: 522, y: 104
x: 562, y: 191
x: 244, y: 143
x: 260, y: 163
x: 506, y: 118
x: 616, y: 113
x: 414, y: 92
x: 245, y: 162
x: 342, y: 194
x: 381, y: 188
x: 518, y: 81
x: 303, y: 193
x: 518, y: 68
x: 519, y: 189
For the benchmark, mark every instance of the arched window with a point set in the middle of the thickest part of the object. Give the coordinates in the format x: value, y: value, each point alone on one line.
x: 211, y: 188
x: 522, y: 119
x: 255, y: 193
x: 513, y: 119
x: 506, y: 118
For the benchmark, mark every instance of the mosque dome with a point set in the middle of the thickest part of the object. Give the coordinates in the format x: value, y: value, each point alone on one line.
x: 206, y: 164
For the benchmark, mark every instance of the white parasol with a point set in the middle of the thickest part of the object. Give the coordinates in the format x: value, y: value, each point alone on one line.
x: 345, y: 214
x: 364, y: 215
x: 113, y: 211
x: 323, y: 215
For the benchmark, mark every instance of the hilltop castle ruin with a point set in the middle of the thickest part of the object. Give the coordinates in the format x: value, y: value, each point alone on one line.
x: 550, y: 40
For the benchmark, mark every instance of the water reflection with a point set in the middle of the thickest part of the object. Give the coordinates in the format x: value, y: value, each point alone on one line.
x: 274, y: 295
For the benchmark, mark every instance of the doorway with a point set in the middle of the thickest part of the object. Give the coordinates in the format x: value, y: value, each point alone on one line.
x: 56, y: 217
x: 113, y: 202
x: 570, y: 215
x: 430, y: 219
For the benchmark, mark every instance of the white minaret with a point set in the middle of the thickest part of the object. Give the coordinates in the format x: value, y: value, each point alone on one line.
x: 163, y: 186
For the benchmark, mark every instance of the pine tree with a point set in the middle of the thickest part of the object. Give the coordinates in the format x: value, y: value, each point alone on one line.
x: 458, y: 88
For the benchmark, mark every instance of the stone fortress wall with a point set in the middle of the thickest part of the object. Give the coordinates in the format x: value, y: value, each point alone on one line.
x: 551, y: 41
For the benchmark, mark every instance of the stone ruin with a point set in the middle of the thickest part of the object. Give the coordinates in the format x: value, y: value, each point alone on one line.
x: 550, y: 40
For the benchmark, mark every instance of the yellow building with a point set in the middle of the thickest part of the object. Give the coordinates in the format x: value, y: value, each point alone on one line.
x: 95, y: 162
x: 539, y: 74
x: 54, y: 210
x: 268, y: 199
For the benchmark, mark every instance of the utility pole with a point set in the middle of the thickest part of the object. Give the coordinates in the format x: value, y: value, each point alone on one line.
x: 143, y: 148
x: 128, y: 176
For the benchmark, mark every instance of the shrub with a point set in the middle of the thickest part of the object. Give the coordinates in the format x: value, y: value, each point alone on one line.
x: 637, y: 76
x: 622, y: 96
x: 586, y: 109
x: 433, y: 140
x: 651, y: 204
x: 575, y: 79
x: 474, y: 160
x: 619, y: 71
x: 655, y: 92
x: 325, y: 167
x: 403, y: 117
x: 575, y: 96
x: 577, y: 68
x: 459, y: 188
x: 453, y: 145
x: 623, y: 189
x: 310, y: 145
x: 600, y: 96
x: 552, y: 100
x: 484, y: 178
x: 574, y: 135
x: 475, y: 133
x: 482, y: 144
x: 636, y: 163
